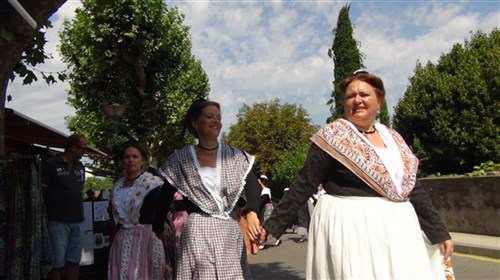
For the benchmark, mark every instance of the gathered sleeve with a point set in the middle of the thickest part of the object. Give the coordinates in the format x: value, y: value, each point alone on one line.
x: 252, y: 189
x: 304, y: 186
x: 428, y: 217
x: 165, y: 198
x: 148, y: 208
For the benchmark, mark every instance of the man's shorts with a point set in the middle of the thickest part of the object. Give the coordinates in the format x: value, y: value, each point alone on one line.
x: 67, y: 243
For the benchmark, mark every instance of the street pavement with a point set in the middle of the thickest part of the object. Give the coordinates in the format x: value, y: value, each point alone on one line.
x: 288, y: 260
x: 474, y: 244
x: 474, y: 259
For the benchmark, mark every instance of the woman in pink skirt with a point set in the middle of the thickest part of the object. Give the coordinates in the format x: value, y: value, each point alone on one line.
x: 136, y: 252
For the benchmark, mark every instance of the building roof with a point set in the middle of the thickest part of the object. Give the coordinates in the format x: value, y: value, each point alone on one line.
x: 23, y: 132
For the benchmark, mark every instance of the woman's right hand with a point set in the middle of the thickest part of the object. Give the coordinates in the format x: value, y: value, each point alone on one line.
x: 253, y: 230
x: 447, y: 247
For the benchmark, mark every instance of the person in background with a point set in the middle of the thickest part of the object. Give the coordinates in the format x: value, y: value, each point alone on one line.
x: 210, y: 176
x: 90, y: 195
x: 63, y: 177
x: 305, y: 214
x: 266, y: 205
x: 318, y: 194
x: 368, y: 224
x: 136, y: 252
x: 304, y: 218
x: 294, y: 224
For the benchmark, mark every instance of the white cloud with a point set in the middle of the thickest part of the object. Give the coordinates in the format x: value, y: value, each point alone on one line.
x: 430, y: 31
x: 259, y: 51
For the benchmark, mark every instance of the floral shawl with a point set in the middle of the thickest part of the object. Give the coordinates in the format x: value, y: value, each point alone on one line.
x: 142, y: 186
x: 343, y: 143
x: 181, y: 172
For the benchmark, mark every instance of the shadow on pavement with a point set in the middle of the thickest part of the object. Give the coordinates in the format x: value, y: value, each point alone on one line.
x: 93, y: 272
x: 273, y: 270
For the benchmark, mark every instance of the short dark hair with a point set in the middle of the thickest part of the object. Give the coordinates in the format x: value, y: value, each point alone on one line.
x: 73, y: 139
x: 366, y: 77
x: 194, y: 112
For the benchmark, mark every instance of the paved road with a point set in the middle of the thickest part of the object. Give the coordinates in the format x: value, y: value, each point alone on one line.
x: 288, y: 260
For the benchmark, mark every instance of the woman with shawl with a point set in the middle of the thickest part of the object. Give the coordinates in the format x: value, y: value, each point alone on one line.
x: 366, y: 226
x: 210, y: 176
x: 136, y: 252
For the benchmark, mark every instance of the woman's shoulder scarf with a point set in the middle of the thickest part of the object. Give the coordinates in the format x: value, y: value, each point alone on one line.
x: 340, y: 141
x: 145, y: 183
x: 181, y: 172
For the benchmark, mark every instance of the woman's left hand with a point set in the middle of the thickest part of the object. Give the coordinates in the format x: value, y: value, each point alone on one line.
x: 446, y: 247
x: 253, y: 229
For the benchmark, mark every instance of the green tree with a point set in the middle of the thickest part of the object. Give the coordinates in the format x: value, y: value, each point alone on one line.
x: 270, y: 131
x: 383, y: 115
x: 450, y: 110
x: 287, y: 169
x: 22, y: 47
x: 97, y: 184
x: 346, y: 59
x: 138, y: 54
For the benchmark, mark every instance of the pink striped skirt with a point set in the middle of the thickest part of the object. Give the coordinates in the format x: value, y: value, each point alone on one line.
x: 137, y: 253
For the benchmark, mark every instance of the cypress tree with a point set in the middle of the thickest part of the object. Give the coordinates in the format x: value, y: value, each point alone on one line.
x: 346, y: 59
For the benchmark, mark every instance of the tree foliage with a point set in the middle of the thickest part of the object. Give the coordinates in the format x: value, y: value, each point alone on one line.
x: 97, y: 184
x: 138, y: 54
x: 32, y: 52
x: 270, y: 131
x: 450, y: 111
x: 346, y: 59
x: 287, y: 169
x: 33, y: 55
x: 383, y: 114
x: 22, y: 47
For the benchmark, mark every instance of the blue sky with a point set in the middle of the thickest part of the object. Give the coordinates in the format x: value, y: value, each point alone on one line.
x: 256, y: 51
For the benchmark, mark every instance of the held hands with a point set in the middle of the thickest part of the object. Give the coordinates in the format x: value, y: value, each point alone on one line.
x: 164, y: 235
x: 254, y: 229
x: 446, y: 248
x: 263, y: 235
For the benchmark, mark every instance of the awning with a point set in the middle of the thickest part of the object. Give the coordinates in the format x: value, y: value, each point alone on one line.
x: 22, y: 131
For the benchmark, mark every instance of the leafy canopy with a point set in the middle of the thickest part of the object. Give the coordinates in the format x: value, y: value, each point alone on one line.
x: 22, y: 47
x: 97, y: 184
x: 271, y: 131
x: 32, y: 56
x: 450, y: 110
x: 137, y: 54
x: 287, y: 169
x: 383, y: 114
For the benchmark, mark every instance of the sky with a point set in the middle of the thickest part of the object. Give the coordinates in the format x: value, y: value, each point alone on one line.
x: 257, y: 51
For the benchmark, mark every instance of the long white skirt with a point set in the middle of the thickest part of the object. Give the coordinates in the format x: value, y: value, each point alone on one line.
x: 367, y: 238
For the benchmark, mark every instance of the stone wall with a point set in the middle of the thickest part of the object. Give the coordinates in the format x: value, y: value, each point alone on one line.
x: 467, y: 204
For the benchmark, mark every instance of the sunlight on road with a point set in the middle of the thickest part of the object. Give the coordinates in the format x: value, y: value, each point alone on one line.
x: 479, y: 258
